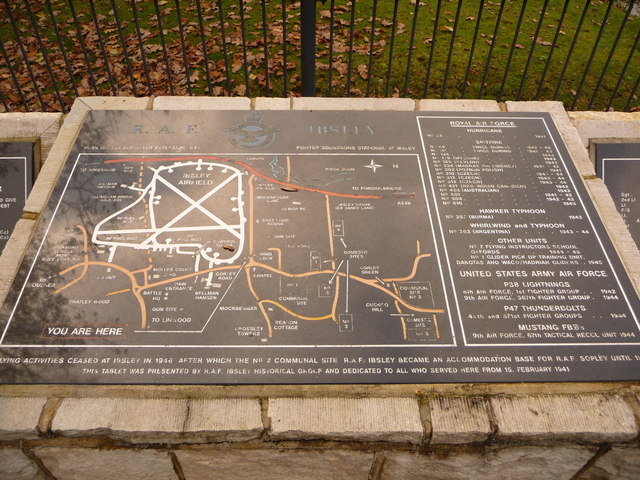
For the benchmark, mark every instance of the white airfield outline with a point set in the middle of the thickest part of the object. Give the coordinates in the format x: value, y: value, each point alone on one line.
x: 149, y: 195
x: 415, y: 156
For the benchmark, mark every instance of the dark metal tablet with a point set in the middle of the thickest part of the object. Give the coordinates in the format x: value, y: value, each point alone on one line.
x: 319, y: 247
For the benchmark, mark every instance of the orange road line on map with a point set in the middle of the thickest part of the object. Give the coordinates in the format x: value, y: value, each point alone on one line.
x: 402, y: 320
x: 279, y: 252
x: 334, y: 307
x: 435, y: 323
x: 418, y: 247
x: 413, y: 271
x: 247, y: 269
x: 251, y: 179
x: 288, y: 168
x: 333, y: 257
x: 135, y: 288
x: 189, y: 275
x: 291, y: 312
x: 117, y: 292
x: 251, y: 169
x: 266, y: 319
x: 85, y: 263
x: 371, y: 283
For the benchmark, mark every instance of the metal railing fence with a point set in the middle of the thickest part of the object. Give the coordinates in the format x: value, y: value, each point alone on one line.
x: 582, y: 52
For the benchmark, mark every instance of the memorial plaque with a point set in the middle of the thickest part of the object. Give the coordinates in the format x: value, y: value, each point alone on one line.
x: 16, y: 179
x: 618, y: 164
x: 319, y: 247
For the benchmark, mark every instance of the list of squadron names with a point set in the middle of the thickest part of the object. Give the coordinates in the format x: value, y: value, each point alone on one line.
x: 526, y: 259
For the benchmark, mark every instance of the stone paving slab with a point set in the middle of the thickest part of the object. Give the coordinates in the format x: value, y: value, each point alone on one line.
x: 116, y: 103
x: 457, y: 420
x: 280, y: 464
x: 365, y: 419
x: 42, y: 127
x: 132, y: 419
x: 538, y: 463
x: 160, y: 420
x: 567, y: 130
x: 617, y: 464
x: 19, y: 417
x: 381, y: 104
x: 224, y: 419
x: 583, y: 418
x: 94, y: 464
x: 265, y: 103
x: 606, y: 125
x: 443, y: 105
x: 15, y: 465
x: 201, y: 103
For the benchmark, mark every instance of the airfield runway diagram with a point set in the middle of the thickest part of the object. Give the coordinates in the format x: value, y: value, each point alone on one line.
x: 238, y: 249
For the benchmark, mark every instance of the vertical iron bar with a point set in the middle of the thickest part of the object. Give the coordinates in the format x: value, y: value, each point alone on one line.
x: 393, y: 37
x: 553, y: 46
x: 285, y: 76
x: 434, y: 39
x: 205, y: 54
x: 623, y: 72
x: 473, y: 47
x: 573, y: 44
x: 613, y: 48
x: 145, y: 66
x: 451, y: 46
x: 125, y: 50
x: 513, y: 48
x: 102, y: 48
x: 245, y: 63
x: 533, y: 46
x: 371, y: 42
x: 24, y: 55
x: 308, y: 47
x: 164, y: 47
x: 45, y: 56
x: 593, y: 54
x: 633, y: 94
x: 87, y: 60
x: 185, y: 58
x: 411, y: 43
x: 331, y: 25
x: 352, y: 25
x: 224, y: 48
x: 494, y: 38
x: 63, y: 50
x: 13, y: 77
x: 4, y: 101
x: 265, y: 42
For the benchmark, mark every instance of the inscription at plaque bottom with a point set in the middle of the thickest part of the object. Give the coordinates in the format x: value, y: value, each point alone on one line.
x: 319, y: 247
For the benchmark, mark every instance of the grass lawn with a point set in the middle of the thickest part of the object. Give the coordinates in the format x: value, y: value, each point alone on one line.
x: 435, y: 49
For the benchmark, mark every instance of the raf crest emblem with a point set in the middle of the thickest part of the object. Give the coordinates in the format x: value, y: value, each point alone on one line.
x: 251, y: 133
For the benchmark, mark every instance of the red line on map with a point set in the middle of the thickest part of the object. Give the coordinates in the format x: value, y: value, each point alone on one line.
x: 244, y: 165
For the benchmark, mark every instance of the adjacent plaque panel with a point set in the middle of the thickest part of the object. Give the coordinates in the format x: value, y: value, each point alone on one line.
x: 618, y: 164
x: 16, y: 179
x: 319, y: 247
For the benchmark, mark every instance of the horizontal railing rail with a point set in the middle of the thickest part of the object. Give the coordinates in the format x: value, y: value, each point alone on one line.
x: 581, y: 52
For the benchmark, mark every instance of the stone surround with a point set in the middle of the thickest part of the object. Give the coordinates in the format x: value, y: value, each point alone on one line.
x: 572, y: 431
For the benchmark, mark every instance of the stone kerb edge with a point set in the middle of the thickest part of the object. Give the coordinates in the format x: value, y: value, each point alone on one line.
x: 528, y: 420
